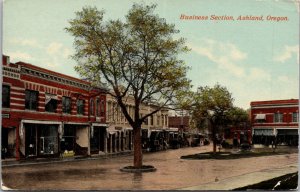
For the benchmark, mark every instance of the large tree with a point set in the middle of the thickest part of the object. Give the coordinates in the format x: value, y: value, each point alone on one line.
x: 136, y: 58
x: 211, y: 105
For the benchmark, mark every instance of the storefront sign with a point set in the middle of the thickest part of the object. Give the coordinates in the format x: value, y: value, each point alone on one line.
x: 5, y: 116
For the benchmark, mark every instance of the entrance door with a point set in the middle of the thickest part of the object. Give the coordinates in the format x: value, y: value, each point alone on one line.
x: 102, y: 132
x: 30, y: 140
x: 94, y: 141
x: 68, y: 139
x: 4, y: 143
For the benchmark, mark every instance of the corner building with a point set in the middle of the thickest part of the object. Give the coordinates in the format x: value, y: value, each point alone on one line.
x: 48, y: 114
x: 275, y: 121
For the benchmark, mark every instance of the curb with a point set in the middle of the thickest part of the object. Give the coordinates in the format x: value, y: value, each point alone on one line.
x: 15, y: 163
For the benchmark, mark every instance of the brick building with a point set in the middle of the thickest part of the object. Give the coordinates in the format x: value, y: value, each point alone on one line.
x: 275, y: 121
x: 180, y: 122
x: 47, y: 114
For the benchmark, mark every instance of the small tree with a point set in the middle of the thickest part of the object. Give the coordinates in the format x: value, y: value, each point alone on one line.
x: 211, y: 104
x: 136, y: 58
x: 237, y: 117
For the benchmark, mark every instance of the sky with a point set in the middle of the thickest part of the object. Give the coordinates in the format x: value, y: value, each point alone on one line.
x: 255, y: 60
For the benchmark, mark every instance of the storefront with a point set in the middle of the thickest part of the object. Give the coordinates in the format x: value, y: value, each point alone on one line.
x: 264, y: 136
x: 280, y: 136
x: 98, y: 139
x: 74, y: 140
x: 287, y: 136
x: 39, y: 139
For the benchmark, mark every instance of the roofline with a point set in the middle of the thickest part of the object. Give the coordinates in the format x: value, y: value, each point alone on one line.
x: 31, y: 66
x: 275, y: 102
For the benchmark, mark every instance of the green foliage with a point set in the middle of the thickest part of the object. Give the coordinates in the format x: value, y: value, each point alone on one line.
x: 211, y: 103
x: 137, y: 57
x: 237, y: 115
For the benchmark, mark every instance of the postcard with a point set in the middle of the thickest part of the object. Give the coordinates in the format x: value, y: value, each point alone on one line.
x: 150, y: 95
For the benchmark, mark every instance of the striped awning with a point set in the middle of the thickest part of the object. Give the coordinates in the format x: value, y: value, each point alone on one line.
x: 265, y: 132
x: 48, y: 97
x: 260, y: 116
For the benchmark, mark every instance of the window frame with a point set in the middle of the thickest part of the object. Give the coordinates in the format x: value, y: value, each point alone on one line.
x: 6, y: 104
x: 29, y: 104
x: 66, y: 108
x: 278, y: 117
x: 92, y: 112
x: 295, y: 118
x: 80, y: 106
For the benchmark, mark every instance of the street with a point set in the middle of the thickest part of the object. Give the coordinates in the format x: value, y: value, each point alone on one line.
x: 172, y: 172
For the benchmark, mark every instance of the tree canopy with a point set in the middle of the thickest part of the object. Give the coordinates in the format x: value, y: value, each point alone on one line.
x: 137, y: 58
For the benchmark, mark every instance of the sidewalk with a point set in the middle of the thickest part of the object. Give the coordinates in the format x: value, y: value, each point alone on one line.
x: 246, y: 179
x: 13, y: 162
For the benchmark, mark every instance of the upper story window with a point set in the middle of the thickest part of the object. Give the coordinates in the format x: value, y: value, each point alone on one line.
x: 92, y: 106
x: 80, y: 106
x: 97, y: 107
x: 66, y: 105
x: 151, y: 120
x: 278, y: 117
x: 5, y: 96
x: 102, y: 106
x: 260, y: 118
x: 295, y: 116
x: 31, y: 99
x: 50, y: 103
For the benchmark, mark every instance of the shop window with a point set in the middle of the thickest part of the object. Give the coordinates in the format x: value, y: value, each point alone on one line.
x: 278, y: 117
x: 31, y: 99
x: 66, y: 105
x: 48, y: 140
x: 92, y: 106
x: 5, y: 96
x: 295, y: 116
x: 50, y: 103
x: 80, y: 106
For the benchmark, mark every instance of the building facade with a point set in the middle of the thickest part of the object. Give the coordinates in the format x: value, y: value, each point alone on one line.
x: 275, y: 121
x: 180, y: 122
x: 120, y: 134
x: 48, y: 114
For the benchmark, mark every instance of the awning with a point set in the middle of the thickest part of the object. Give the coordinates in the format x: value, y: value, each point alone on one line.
x: 48, y: 97
x: 112, y: 132
x: 265, y: 132
x: 287, y: 131
x: 260, y: 116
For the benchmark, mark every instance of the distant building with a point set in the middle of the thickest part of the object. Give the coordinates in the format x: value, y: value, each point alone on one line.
x: 275, y: 121
x: 180, y: 122
x: 120, y: 131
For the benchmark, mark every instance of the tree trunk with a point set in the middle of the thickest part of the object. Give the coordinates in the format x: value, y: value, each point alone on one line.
x: 214, y: 146
x: 213, y: 136
x: 137, y: 147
